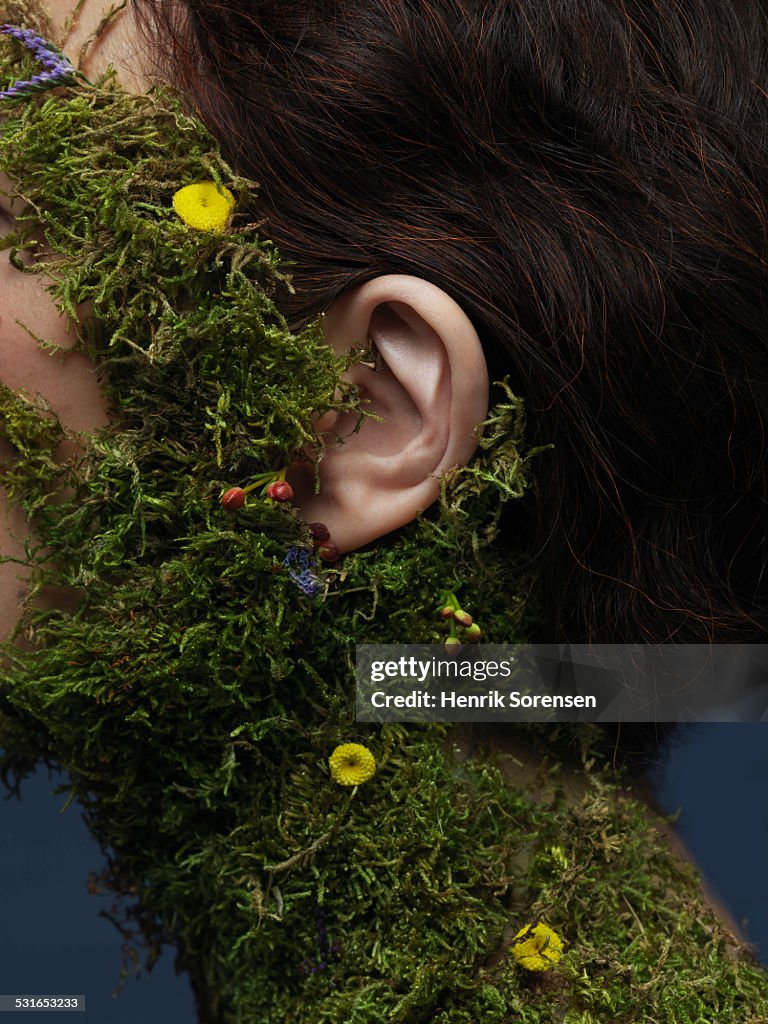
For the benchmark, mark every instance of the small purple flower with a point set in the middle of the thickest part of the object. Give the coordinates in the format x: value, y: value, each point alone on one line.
x: 305, y: 578
x: 325, y: 950
x: 57, y: 70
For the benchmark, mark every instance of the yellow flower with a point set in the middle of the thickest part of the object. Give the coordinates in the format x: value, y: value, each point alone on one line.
x: 537, y: 947
x: 205, y: 206
x: 351, y: 764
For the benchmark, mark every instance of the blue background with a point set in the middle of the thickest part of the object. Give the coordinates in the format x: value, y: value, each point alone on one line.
x: 52, y: 940
x: 715, y: 777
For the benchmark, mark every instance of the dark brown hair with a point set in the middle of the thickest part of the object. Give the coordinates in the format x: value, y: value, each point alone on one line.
x: 587, y: 178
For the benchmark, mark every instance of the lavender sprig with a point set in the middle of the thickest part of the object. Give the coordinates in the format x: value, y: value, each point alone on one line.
x: 57, y: 69
x: 305, y: 578
x: 326, y: 949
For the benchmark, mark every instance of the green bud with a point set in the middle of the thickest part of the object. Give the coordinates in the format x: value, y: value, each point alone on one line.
x: 452, y: 646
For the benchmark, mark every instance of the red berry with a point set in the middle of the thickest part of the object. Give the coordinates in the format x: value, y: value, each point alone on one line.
x: 446, y: 612
x: 279, y: 490
x: 329, y: 552
x: 319, y: 531
x: 233, y: 499
x: 462, y: 617
x: 452, y: 646
x: 473, y: 632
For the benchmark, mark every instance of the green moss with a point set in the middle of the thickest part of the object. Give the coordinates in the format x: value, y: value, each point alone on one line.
x: 33, y: 434
x: 194, y: 695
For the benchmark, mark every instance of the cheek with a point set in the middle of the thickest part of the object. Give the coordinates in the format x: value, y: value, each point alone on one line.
x: 67, y: 382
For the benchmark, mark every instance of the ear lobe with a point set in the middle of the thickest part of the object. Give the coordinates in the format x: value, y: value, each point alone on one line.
x: 429, y: 385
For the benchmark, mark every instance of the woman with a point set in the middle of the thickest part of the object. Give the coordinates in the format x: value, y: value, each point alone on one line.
x: 621, y: 286
x: 491, y: 174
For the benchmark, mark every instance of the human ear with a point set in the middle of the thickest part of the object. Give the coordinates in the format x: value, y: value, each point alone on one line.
x: 429, y: 385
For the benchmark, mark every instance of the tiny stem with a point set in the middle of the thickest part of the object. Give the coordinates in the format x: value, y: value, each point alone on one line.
x: 262, y: 479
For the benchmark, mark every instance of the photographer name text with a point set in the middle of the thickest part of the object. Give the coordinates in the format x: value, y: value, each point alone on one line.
x: 491, y: 700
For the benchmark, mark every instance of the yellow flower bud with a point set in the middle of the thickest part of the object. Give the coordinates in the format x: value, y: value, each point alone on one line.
x: 205, y: 206
x: 352, y: 764
x: 537, y: 947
